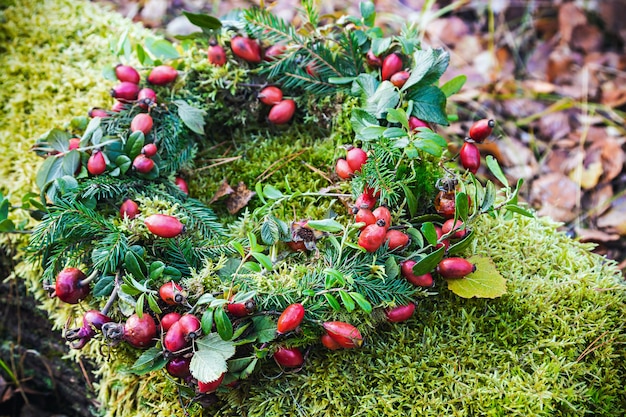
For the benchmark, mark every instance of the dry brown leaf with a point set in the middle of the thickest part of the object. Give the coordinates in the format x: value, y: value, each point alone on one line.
x: 610, y: 155
x: 239, y: 198
x: 589, y: 235
x: 556, y: 195
x: 613, y: 94
x: 153, y: 12
x: 587, y: 175
x: 570, y: 16
x: 560, y: 64
x: 587, y: 38
x: 516, y: 157
x: 224, y: 190
x: 614, y: 220
x: 538, y: 87
x: 598, y: 200
x: 554, y: 126
x: 448, y: 31
x: 563, y: 159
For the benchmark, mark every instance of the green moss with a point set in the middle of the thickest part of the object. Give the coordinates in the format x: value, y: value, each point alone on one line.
x: 554, y: 345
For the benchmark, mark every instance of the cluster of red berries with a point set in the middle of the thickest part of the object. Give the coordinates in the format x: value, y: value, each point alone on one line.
x: 249, y: 50
x: 391, y: 68
x: 470, y: 154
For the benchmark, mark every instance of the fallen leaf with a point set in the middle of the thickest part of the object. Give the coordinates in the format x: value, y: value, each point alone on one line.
x: 239, y: 198
x: 570, y: 16
x: 614, y: 220
x: 611, y: 156
x: 587, y: 176
x: 224, y: 190
x: 587, y: 38
x: 448, y: 31
x: 556, y: 195
x: 485, y: 282
x: 153, y: 12
x: 589, y: 235
x: 554, y: 126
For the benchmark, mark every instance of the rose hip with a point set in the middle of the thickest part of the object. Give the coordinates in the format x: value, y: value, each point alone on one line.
x: 481, y: 129
x: 399, y: 78
x: 356, y: 157
x: 288, y: 357
x: 470, y: 157
x: 169, y: 319
x: 142, y: 122
x: 210, y: 386
x: 149, y: 150
x: 216, y: 54
x: 400, y: 313
x: 172, y: 293
x: 146, y: 98
x: 372, y: 237
x: 454, y: 268
x: 129, y: 209
x: 69, y: 287
x: 396, y: 239
x: 143, y: 164
x: 246, y: 49
x: 270, y: 95
x: 140, y: 332
x: 406, y: 269
x: 162, y: 75
x: 343, y: 170
x: 182, y: 184
x: 391, y: 64
x: 174, y: 340
x: 127, y: 73
x: 290, y: 318
x: 282, y: 112
x: 345, y: 334
x: 164, y: 225
x: 96, y: 163
x: 125, y: 91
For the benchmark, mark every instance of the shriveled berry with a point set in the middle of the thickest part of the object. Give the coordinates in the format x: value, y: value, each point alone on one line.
x: 182, y: 184
x: 345, y: 334
x: 216, y: 54
x: 68, y: 286
x: 343, y: 170
x: 366, y: 216
x: 125, y: 91
x: 149, y: 150
x: 190, y: 325
x: 329, y: 342
x: 127, y: 73
x: 210, y: 386
x: 470, y: 157
x: 140, y: 332
x: 169, y: 319
x: 246, y: 49
x: 481, y: 129
x: 129, y: 209
x: 399, y: 78
x: 454, y: 268
x: 288, y: 357
x: 445, y: 203
x: 372, y: 237
x: 97, y: 112
x: 400, y: 313
x: 282, y: 112
x: 415, y: 123
x: 450, y: 225
x: 274, y: 51
x: 396, y: 239
x: 143, y: 164
x: 241, y: 309
x: 270, y: 95
x: 372, y: 60
x: 290, y: 318
x: 96, y: 163
x: 356, y: 157
x: 367, y: 200
x: 164, y: 225
x: 142, y: 122
x: 146, y: 98
x: 391, y: 64
x: 174, y: 339
x: 162, y: 75
x: 406, y: 269
x: 74, y: 143
x: 179, y: 367
x: 172, y: 293
x: 298, y: 246
x: 383, y: 213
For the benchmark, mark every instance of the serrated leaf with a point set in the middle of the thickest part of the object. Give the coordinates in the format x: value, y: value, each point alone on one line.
x: 494, y: 167
x: 365, y: 305
x: 423, y: 62
x: 485, y: 282
x: 392, y: 269
x: 191, y: 116
x: 270, y: 234
x: 364, y: 85
x: 429, y: 104
x: 429, y: 262
x: 380, y: 45
x: 385, y: 97
x: 325, y: 225
x: 454, y: 85
x: 209, y: 361
x: 264, y: 329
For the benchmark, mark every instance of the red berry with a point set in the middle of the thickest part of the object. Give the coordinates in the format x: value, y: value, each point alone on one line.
x: 453, y: 268
x: 211, y: 386
x: 241, y: 309
x: 290, y: 318
x: 94, y: 319
x: 450, y: 225
x: 345, y: 334
x: 68, y: 286
x: 129, y: 209
x: 172, y: 293
x: 246, y: 49
x: 270, y: 95
x: 274, y: 51
x: 382, y: 213
x: 400, y: 313
x: 162, y: 75
x: 396, y: 239
x: 149, y: 150
x: 125, y: 91
x: 174, y: 339
x: 343, y: 170
x: 391, y: 64
x: 282, y: 112
x: 182, y: 184
x: 399, y: 78
x: 164, y: 225
x: 169, y: 319
x: 98, y: 112
x: 365, y: 200
x: 141, y: 122
x: 372, y: 60
x: 297, y: 246
x: 372, y: 237
x: 406, y: 269
x: 289, y: 357
x: 414, y: 123
x: 216, y: 54
x: 74, y: 143
x: 356, y: 157
x: 143, y: 164
x: 481, y: 129
x: 127, y: 73
x: 329, y: 342
x: 190, y: 325
x: 146, y: 98
x: 470, y: 157
x: 311, y: 69
x: 140, y: 332
x: 96, y: 163
x: 179, y: 367
x: 118, y: 106
x: 445, y: 243
x: 365, y: 216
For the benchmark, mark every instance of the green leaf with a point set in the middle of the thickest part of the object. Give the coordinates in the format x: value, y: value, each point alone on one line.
x: 133, y: 265
x: 429, y: 262
x: 368, y: 12
x: 326, y: 225
x: 371, y: 133
x: 51, y: 169
x: 392, y: 270
x: 495, y: 169
x: 270, y: 233
x: 223, y: 324
x: 429, y: 146
x: 7, y: 225
x: 139, y: 304
x: 380, y: 45
x: 461, y: 206
x: 332, y: 301
x: 347, y: 301
x: 398, y: 116
x: 191, y: 116
x: 153, y: 304
x: 429, y: 104
x: 263, y: 259
x: 341, y: 80
x: 242, y: 297
x: 485, y: 282
x: 209, y: 360
x: 59, y: 139
x: 252, y: 266
x: 364, y: 85
x: 123, y: 162
x: 272, y: 192
x: 150, y: 360
x: 207, y: 321
x: 134, y: 144
x: 462, y: 244
x: 454, y: 85
x: 108, y: 73
x: 362, y: 302
x: 333, y: 278
x: 142, y: 56
x: 429, y: 232
x: 161, y: 49
x: 203, y: 21
x: 519, y: 210
x: 423, y: 62
x: 264, y: 329
x: 385, y: 97
x: 394, y: 132
x: 4, y: 207
x: 441, y: 59
x: 238, y: 247
x: 411, y: 200
x: 489, y: 198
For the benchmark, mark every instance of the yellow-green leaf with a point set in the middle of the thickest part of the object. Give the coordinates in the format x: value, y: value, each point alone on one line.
x: 485, y: 282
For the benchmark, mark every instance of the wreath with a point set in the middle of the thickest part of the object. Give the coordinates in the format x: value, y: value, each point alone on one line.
x: 189, y: 286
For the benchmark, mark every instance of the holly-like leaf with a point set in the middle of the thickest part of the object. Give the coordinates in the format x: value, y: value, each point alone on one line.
x: 191, y: 116
x: 424, y: 60
x: 270, y: 233
x: 209, y: 361
x: 385, y: 97
x: 485, y: 282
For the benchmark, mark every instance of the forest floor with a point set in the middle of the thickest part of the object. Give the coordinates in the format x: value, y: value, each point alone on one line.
x: 551, y: 73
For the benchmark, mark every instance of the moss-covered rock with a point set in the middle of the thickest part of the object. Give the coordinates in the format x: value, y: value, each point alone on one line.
x: 554, y: 345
